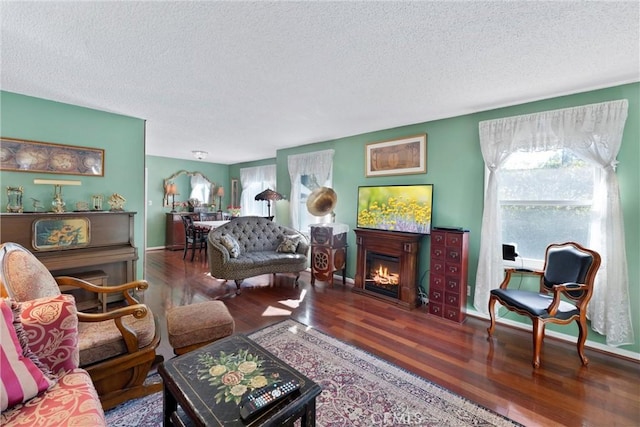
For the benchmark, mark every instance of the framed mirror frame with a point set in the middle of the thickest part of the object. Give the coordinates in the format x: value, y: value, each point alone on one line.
x: 167, y: 181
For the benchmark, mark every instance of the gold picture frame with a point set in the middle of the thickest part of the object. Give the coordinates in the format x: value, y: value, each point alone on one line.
x: 403, y: 156
x: 53, y: 234
x: 22, y: 155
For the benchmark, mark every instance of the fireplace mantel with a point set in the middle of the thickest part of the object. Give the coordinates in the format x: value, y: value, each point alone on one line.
x: 405, y: 246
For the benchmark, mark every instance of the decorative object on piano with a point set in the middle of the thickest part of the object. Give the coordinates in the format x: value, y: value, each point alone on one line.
x: 60, y: 233
x: 322, y: 201
x: 58, y: 204
x: 220, y: 194
x: 116, y: 202
x: 397, y: 157
x: 96, y: 202
x: 37, y: 204
x: 269, y: 195
x: 82, y: 206
x: 32, y: 156
x: 14, y: 195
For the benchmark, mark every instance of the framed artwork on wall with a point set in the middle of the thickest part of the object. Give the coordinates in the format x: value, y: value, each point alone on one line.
x: 403, y: 156
x: 21, y: 155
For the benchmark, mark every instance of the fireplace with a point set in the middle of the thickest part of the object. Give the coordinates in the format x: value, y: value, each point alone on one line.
x: 387, y: 266
x: 383, y: 274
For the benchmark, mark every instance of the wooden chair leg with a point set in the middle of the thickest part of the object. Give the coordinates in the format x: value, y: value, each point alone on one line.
x: 538, y: 337
x: 582, y: 338
x: 492, y: 315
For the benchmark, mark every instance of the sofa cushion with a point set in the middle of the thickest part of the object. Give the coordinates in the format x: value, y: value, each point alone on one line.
x: 288, y: 244
x: 51, y: 325
x: 232, y: 245
x: 73, y: 401
x: 23, y: 377
x: 103, y: 340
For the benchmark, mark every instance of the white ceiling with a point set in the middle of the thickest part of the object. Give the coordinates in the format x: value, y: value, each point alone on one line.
x: 242, y: 79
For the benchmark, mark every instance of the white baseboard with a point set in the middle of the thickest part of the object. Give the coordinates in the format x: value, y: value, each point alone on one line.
x: 563, y: 337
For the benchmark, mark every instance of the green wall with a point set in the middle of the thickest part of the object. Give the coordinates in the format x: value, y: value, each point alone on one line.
x: 454, y: 166
x: 122, y: 138
x: 160, y: 168
x: 456, y: 169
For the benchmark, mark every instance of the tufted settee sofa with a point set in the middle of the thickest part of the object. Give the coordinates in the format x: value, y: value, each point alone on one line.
x: 249, y: 246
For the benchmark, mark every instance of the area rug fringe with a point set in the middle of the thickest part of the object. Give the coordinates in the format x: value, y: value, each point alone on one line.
x: 359, y: 389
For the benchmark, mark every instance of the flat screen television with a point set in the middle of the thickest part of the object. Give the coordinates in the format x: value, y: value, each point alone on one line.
x: 405, y: 208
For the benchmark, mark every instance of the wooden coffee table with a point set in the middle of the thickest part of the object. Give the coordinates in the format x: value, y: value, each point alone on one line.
x: 208, y: 383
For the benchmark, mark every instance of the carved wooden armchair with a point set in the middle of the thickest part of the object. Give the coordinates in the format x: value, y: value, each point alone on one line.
x: 569, y: 271
x: 117, y: 348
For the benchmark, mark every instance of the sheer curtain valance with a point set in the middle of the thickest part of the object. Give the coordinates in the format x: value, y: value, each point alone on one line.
x: 593, y: 132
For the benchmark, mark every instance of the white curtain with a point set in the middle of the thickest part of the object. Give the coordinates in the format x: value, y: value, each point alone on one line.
x: 318, y: 164
x: 594, y: 132
x: 253, y: 181
x: 201, y: 189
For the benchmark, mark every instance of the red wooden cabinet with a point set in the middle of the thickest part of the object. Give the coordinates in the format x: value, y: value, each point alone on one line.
x: 449, y: 271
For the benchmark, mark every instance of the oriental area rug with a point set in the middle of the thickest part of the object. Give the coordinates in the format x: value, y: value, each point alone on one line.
x: 358, y: 389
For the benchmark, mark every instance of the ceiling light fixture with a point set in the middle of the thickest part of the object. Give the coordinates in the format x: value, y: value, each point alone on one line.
x: 199, y: 154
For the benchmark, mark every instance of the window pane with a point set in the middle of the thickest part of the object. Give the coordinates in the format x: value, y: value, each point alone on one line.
x: 533, y: 228
x: 545, y: 198
x: 550, y: 175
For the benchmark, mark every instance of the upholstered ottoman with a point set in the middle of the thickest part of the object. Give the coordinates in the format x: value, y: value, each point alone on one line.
x: 192, y: 326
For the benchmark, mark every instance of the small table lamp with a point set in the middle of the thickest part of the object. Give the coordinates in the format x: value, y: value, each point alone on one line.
x: 172, y: 190
x: 220, y: 194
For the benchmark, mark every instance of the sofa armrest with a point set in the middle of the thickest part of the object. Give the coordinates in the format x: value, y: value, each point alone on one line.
x: 303, y: 246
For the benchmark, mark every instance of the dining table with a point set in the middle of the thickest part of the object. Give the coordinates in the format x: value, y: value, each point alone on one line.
x: 210, y: 224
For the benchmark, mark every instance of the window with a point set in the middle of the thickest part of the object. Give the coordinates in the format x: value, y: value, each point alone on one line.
x: 545, y: 197
x: 308, y: 183
x: 307, y: 172
x: 254, y: 180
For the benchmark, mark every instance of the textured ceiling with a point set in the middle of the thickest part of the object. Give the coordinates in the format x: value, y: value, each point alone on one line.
x: 242, y: 79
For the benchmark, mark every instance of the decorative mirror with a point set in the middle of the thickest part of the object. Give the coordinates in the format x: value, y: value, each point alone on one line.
x: 192, y: 185
x: 235, y: 200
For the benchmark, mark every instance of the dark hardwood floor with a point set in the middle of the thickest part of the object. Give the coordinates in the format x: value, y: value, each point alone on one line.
x: 496, y: 374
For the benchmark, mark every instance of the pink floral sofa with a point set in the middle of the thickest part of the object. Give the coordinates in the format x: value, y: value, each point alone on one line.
x: 41, y: 382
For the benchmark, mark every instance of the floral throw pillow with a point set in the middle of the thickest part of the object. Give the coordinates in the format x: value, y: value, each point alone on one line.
x: 51, y: 325
x: 289, y: 244
x: 232, y: 245
x: 23, y: 377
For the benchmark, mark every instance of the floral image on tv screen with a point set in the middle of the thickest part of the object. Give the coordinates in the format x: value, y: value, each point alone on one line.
x: 405, y: 208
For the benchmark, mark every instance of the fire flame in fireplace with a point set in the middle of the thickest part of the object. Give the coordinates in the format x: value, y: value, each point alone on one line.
x: 382, y: 276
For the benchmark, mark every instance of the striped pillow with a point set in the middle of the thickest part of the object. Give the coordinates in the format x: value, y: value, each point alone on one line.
x: 22, y: 375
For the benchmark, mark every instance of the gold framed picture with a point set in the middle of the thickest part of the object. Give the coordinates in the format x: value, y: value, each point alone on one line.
x: 21, y: 155
x: 57, y: 233
x: 403, y: 156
